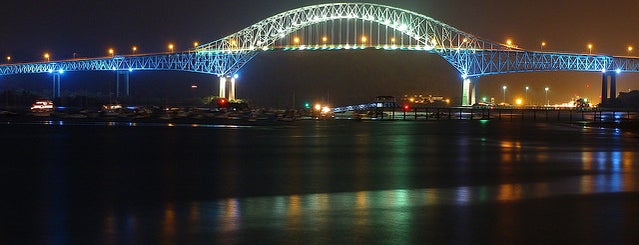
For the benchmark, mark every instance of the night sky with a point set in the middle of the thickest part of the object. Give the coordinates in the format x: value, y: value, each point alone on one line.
x: 89, y: 28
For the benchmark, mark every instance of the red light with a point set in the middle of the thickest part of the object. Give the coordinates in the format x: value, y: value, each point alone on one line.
x: 221, y: 102
x: 406, y: 107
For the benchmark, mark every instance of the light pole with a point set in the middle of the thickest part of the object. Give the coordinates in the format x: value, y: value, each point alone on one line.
x: 590, y: 48
x: 171, y: 47
x: 133, y: 49
x: 526, y: 93
x: 111, y: 52
x: 504, y: 87
x: 47, y: 57
x: 629, y: 50
x: 8, y: 59
x: 547, y: 101
x: 543, y: 44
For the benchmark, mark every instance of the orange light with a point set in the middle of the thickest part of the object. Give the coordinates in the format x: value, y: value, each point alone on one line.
x: 296, y: 40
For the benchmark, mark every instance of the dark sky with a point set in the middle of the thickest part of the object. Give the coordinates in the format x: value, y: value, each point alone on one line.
x: 88, y: 28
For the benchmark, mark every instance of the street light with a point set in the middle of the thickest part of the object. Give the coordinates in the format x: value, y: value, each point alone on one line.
x: 504, y: 87
x: 111, y: 52
x: 195, y: 44
x: 47, y: 56
x: 364, y: 39
x: 296, y: 40
x: 629, y: 50
x: 134, y: 49
x: 509, y: 42
x: 527, y: 93
x: 590, y: 48
x: 171, y: 47
x: 543, y: 44
x: 547, y: 101
x: 8, y: 59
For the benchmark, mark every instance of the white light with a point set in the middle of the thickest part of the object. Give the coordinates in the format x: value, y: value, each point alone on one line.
x: 50, y: 70
x: 60, y: 71
x: 603, y: 70
x: 236, y: 76
x: 130, y: 69
x: 265, y: 48
x: 618, y: 71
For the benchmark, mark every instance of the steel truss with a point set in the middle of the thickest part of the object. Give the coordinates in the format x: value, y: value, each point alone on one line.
x: 470, y: 55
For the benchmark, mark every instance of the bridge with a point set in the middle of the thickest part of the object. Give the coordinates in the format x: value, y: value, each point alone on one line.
x: 346, y: 26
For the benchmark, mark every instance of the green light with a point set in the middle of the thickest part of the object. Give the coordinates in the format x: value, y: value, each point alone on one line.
x: 483, y: 99
x: 307, y: 105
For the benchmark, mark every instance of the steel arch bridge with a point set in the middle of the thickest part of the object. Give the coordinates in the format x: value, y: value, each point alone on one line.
x: 472, y: 56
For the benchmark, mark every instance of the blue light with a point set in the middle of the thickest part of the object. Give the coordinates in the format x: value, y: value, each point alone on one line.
x: 618, y: 71
x: 603, y: 70
x: 50, y: 70
x: 130, y: 69
x: 60, y: 71
x: 236, y: 76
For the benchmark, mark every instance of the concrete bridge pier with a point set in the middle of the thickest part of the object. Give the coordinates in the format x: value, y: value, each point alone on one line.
x: 609, y: 78
x: 56, y: 85
x: 227, y: 87
x: 469, y: 92
x: 124, y: 75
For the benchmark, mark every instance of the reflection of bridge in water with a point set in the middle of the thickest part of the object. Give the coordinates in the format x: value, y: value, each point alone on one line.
x: 345, y: 26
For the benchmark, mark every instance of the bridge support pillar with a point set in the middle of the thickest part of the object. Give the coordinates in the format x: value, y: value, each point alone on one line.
x: 609, y: 77
x: 227, y: 84
x: 469, y: 92
x: 125, y: 76
x: 56, y: 85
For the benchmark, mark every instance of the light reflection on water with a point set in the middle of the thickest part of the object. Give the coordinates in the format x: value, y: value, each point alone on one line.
x: 312, y: 214
x: 313, y: 183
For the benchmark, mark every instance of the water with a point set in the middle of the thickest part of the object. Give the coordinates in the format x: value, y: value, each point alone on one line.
x: 318, y: 182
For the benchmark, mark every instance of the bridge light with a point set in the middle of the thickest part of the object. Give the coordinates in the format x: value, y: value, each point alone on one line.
x: 296, y: 40
x: 111, y: 52
x: 392, y: 39
x: 618, y: 70
x: 590, y: 48
x: 236, y: 76
x: 629, y: 50
x: 47, y: 56
x: 604, y: 70
x: 60, y: 71
x: 509, y: 42
x: 8, y: 58
x: 171, y: 47
x: 364, y: 39
x: 50, y: 70
x: 133, y: 49
x: 195, y: 44
x: 543, y: 44
x: 324, y: 39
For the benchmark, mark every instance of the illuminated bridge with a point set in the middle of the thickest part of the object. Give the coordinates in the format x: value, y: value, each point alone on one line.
x: 342, y: 26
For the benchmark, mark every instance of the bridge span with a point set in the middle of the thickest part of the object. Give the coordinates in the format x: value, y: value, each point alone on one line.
x: 347, y: 26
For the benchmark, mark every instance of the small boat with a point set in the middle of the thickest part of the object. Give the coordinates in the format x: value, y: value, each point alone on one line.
x: 42, y: 108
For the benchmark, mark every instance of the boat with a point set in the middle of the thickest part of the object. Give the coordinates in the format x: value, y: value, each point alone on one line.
x: 42, y: 108
x: 111, y: 110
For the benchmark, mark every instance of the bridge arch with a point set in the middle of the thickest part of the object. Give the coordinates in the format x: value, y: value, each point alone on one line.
x: 429, y: 34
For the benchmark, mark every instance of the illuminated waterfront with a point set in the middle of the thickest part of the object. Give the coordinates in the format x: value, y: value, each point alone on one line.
x: 318, y: 182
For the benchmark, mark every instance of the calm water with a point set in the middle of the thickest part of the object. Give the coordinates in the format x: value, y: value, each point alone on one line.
x: 318, y: 182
